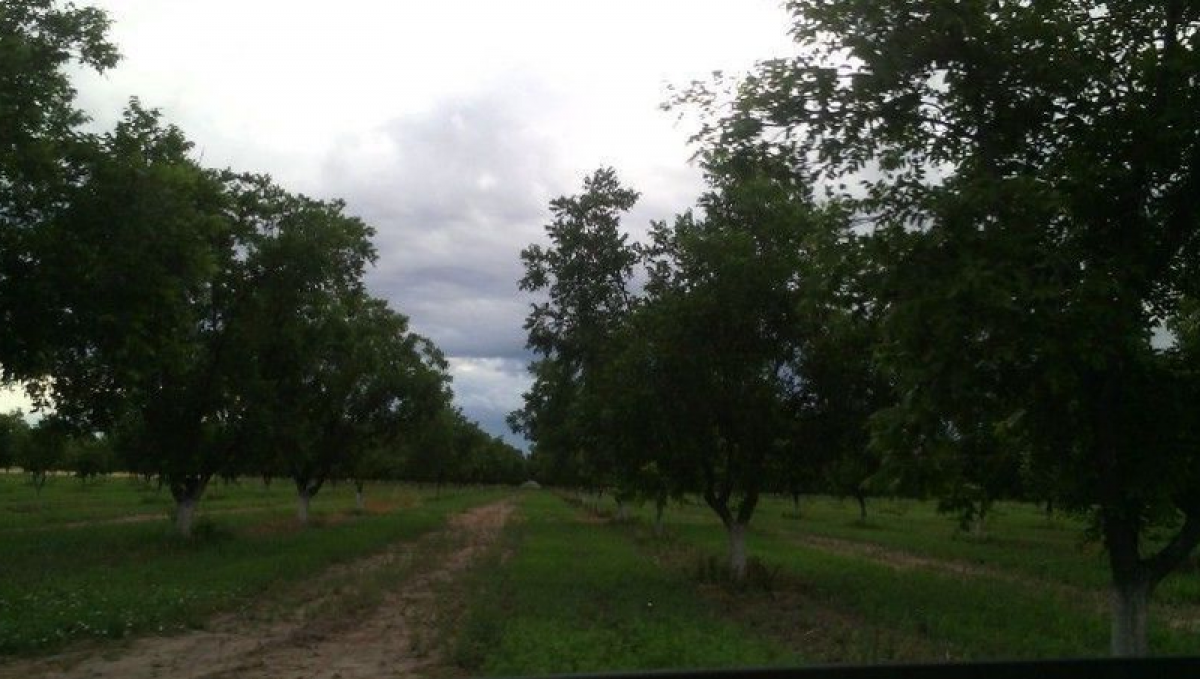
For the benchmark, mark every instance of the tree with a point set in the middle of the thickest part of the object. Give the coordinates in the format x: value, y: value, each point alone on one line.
x: 727, y: 342
x: 844, y: 385
x: 372, y: 463
x: 1030, y: 171
x: 585, y: 273
x: 142, y: 275
x: 306, y: 259
x: 14, y: 431
x: 547, y: 420
x: 40, y: 147
x: 43, y: 450
x: 627, y: 407
x: 361, y: 379
x: 88, y: 456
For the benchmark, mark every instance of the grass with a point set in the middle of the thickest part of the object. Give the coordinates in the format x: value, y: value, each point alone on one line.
x: 567, y: 590
x: 111, y: 580
x: 562, y: 596
x: 1041, y: 594
x: 68, y: 501
x: 1020, y: 540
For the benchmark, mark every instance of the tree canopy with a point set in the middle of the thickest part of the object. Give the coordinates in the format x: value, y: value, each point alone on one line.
x: 1029, y: 172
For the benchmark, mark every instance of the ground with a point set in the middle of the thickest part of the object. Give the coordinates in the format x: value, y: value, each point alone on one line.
x: 519, y: 582
x: 374, y: 617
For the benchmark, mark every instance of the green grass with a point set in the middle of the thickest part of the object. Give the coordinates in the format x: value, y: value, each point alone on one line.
x: 1020, y: 539
x: 111, y: 580
x: 568, y: 592
x: 563, y: 596
x: 1024, y: 613
x: 66, y: 500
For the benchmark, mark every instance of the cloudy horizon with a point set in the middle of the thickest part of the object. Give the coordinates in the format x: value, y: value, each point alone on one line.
x: 446, y: 126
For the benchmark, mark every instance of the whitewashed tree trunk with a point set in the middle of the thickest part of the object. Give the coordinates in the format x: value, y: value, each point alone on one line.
x: 185, y: 513
x: 622, y: 511
x: 737, y: 550
x: 302, y: 507
x: 358, y: 500
x: 1130, y: 611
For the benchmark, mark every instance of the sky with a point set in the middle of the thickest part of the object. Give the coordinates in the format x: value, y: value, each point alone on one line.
x: 447, y: 125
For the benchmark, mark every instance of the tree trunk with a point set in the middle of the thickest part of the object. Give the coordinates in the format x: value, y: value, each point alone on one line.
x: 185, y: 513
x: 187, y: 492
x: 659, y: 506
x: 979, y: 524
x: 737, y: 550
x: 796, y: 503
x: 359, y: 504
x: 302, y: 506
x: 862, y: 507
x: 622, y: 510
x: 1130, y: 611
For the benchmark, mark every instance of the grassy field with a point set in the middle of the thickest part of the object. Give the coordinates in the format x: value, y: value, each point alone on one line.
x: 566, y: 588
x: 102, y: 560
x: 570, y: 595
x: 906, y: 585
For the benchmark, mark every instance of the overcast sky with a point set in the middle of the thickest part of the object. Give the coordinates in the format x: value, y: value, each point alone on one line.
x: 448, y: 125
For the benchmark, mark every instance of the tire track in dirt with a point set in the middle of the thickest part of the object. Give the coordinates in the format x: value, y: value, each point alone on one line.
x: 375, y: 617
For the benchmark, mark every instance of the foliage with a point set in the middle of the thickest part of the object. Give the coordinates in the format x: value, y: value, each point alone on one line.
x: 39, y: 152
x: 729, y: 330
x: 142, y: 347
x: 14, y: 432
x: 1029, y: 171
x: 43, y: 451
x: 585, y: 273
x: 333, y: 372
x: 453, y: 449
x: 188, y: 323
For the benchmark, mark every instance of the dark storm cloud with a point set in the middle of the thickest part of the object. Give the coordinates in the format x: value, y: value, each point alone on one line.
x: 488, y: 389
x: 455, y: 193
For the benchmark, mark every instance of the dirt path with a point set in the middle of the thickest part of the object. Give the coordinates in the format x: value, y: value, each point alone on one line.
x: 376, y: 617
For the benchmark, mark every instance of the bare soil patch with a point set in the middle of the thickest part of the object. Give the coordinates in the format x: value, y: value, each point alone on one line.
x: 374, y: 617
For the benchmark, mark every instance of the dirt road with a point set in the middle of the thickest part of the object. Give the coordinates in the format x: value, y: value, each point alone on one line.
x: 376, y: 617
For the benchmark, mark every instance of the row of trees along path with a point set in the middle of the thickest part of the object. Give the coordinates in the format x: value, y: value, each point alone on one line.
x: 195, y: 322
x: 947, y: 248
